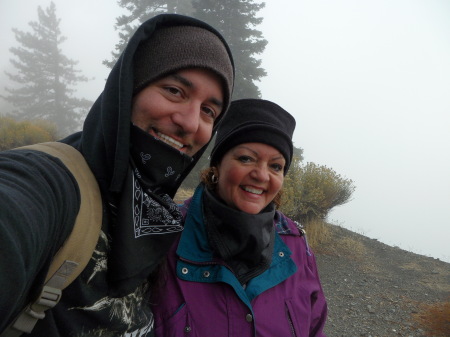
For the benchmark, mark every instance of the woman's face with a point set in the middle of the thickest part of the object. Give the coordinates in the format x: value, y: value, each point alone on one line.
x: 250, y: 176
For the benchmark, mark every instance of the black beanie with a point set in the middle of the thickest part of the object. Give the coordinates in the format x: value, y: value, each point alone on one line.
x: 255, y: 121
x: 175, y: 48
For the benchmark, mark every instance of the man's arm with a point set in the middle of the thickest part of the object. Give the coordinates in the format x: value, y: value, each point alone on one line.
x: 39, y: 201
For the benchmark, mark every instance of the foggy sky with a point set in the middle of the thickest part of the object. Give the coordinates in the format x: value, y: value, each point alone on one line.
x: 368, y: 83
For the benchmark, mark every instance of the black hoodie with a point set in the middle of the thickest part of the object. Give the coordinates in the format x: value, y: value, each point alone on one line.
x: 99, y: 302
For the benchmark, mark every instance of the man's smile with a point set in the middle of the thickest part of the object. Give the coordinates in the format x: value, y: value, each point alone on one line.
x: 170, y: 141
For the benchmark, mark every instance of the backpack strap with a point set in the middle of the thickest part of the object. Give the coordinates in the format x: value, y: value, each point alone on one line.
x: 74, y: 255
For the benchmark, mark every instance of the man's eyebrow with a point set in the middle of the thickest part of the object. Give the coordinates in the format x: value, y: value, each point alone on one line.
x: 183, y: 80
x: 216, y: 102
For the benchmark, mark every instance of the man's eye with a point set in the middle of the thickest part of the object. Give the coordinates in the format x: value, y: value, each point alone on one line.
x: 210, y: 112
x: 173, y: 90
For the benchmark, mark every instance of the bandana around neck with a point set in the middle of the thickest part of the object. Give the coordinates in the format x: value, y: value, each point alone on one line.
x: 158, y: 166
x: 244, y: 241
x: 147, y: 220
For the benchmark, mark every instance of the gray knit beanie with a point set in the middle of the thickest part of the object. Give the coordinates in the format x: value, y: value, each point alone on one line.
x: 175, y: 48
x: 255, y: 121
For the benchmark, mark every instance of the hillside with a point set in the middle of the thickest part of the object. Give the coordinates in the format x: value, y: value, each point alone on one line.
x: 377, y: 290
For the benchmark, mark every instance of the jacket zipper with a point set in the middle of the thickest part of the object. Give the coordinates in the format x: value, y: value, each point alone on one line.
x: 291, y: 324
x: 303, y: 233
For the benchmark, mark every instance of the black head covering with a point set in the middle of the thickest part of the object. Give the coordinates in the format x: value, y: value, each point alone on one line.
x: 181, y: 47
x: 255, y: 121
x: 105, y: 139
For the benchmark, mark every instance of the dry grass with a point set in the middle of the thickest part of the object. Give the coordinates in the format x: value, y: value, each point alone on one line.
x: 413, y: 265
x: 183, y: 194
x: 352, y: 248
x: 318, y: 234
x: 323, y: 241
x: 436, y: 280
x: 435, y: 319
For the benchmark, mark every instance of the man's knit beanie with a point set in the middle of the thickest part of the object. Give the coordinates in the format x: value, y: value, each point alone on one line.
x: 255, y: 121
x: 171, y: 49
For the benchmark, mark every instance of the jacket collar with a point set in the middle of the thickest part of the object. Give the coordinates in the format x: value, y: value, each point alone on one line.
x: 194, y: 234
x: 196, y: 255
x: 194, y: 244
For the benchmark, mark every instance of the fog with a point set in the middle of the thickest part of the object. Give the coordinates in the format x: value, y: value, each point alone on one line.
x: 367, y: 81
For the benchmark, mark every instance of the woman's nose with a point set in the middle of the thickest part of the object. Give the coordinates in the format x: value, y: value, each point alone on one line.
x: 260, y: 173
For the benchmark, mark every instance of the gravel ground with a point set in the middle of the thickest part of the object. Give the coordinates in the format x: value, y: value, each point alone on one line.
x: 374, y: 290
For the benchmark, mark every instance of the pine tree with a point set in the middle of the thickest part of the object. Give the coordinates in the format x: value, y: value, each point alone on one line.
x: 45, y: 76
x: 141, y: 11
x: 235, y: 19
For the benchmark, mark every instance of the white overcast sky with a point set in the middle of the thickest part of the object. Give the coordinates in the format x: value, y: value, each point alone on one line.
x: 368, y: 83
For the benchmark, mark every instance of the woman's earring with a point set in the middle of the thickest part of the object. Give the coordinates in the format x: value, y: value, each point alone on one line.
x: 214, y: 179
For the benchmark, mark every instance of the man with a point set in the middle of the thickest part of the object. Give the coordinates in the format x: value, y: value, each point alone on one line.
x: 155, y: 117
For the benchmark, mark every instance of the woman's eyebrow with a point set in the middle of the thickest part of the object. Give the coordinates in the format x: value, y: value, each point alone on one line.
x: 276, y: 157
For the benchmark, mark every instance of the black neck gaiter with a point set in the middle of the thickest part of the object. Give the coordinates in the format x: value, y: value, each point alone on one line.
x: 244, y: 241
x: 147, y: 220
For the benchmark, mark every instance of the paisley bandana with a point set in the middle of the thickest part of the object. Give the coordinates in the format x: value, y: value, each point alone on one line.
x: 146, y: 227
x: 158, y: 166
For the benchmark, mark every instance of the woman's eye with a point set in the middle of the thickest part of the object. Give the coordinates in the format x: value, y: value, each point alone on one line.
x: 277, y: 167
x: 244, y: 159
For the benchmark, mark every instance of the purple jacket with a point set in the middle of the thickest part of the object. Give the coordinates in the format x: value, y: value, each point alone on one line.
x: 200, y: 297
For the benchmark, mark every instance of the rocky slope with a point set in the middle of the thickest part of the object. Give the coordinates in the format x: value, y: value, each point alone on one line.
x: 374, y: 289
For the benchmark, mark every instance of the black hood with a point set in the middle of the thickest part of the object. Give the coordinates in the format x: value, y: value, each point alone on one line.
x: 105, y: 139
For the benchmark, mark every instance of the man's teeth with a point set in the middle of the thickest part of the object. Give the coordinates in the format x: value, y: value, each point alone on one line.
x: 169, y: 140
x: 252, y: 190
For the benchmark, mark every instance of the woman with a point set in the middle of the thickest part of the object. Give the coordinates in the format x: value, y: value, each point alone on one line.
x: 241, y: 268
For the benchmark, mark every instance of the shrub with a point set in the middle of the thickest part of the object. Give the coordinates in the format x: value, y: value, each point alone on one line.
x: 14, y: 134
x: 311, y: 191
x: 435, y: 318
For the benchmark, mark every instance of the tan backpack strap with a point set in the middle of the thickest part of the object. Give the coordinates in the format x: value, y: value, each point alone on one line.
x: 48, y: 298
x: 77, y: 250
x: 81, y: 243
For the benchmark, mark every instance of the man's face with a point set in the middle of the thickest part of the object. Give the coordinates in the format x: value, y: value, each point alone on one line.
x: 180, y: 109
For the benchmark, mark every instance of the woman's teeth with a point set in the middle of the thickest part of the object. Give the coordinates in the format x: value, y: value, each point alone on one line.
x: 252, y: 190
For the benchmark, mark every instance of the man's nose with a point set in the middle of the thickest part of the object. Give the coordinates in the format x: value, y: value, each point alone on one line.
x: 188, y: 117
